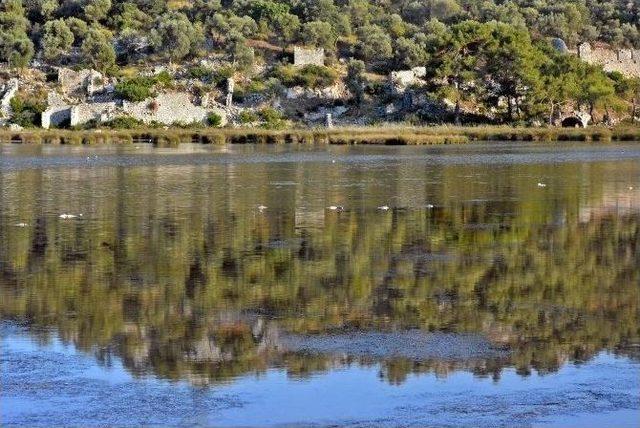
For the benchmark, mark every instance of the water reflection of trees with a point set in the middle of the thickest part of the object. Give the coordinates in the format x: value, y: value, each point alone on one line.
x: 196, y: 285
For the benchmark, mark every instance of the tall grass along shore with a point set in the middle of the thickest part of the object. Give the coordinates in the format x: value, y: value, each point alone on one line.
x: 365, y: 135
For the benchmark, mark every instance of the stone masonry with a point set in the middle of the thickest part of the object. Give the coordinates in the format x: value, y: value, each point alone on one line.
x: 402, y: 79
x: 58, y: 111
x: 169, y: 108
x: 625, y: 61
x: 8, y: 91
x: 303, y: 56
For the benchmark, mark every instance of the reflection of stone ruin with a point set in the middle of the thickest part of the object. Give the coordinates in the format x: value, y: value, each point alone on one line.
x: 614, y: 201
x: 625, y: 61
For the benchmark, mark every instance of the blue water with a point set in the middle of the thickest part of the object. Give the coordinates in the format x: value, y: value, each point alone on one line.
x: 53, y: 384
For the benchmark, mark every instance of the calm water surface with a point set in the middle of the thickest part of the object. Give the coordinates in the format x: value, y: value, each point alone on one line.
x: 214, y: 286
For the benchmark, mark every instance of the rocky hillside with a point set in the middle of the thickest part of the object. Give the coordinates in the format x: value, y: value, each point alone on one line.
x: 276, y: 63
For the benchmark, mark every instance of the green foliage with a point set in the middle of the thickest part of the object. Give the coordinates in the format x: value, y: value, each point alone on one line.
x: 214, y: 120
x: 248, y: 116
x: 26, y: 110
x: 488, y: 54
x: 78, y: 27
x: 309, y: 76
x: 355, y: 79
x: 200, y: 72
x: 319, y: 34
x: 140, y: 88
x: 16, y: 48
x: 175, y: 37
x: 96, y: 10
x: 57, y: 39
x: 97, y: 48
x: 273, y: 119
x: 374, y: 44
x: 123, y: 122
x: 136, y: 89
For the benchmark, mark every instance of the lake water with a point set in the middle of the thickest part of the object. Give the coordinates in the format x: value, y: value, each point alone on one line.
x: 477, y: 285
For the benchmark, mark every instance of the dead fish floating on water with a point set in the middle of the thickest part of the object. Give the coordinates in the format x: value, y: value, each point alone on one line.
x: 336, y: 208
x: 384, y: 208
x: 261, y: 207
x: 21, y: 225
x: 542, y: 185
x: 430, y: 206
x: 68, y: 216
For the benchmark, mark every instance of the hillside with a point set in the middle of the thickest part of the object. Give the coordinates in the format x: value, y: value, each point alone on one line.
x: 358, y: 62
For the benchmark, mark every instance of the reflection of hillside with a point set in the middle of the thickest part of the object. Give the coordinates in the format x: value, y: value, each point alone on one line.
x: 183, y: 278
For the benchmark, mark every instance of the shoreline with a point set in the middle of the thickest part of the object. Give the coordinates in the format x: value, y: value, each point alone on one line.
x: 339, y: 136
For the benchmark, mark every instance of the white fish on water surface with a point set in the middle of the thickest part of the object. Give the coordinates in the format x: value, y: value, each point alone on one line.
x: 383, y: 207
x: 21, y: 225
x: 336, y: 208
x: 542, y: 185
x: 68, y: 216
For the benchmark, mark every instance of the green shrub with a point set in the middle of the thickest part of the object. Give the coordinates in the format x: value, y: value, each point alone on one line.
x: 220, y: 76
x: 247, y: 116
x: 27, y: 110
x: 163, y: 78
x: 273, y: 119
x: 140, y: 88
x: 214, y: 119
x: 200, y: 72
x: 309, y: 76
x: 123, y: 122
x: 136, y: 89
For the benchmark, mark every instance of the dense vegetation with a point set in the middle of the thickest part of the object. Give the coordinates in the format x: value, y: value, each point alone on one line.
x: 491, y: 54
x: 181, y: 264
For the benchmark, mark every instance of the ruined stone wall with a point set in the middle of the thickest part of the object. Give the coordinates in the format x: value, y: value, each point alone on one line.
x: 8, y: 91
x: 303, y: 56
x: 58, y: 111
x: 168, y: 108
x: 80, y: 83
x: 86, y: 112
x: 402, y: 79
x: 625, y: 61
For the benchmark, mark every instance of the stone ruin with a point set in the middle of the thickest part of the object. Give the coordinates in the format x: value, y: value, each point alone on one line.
x: 166, y: 108
x: 303, y: 56
x: 83, y: 83
x: 402, y: 79
x: 575, y: 119
x: 170, y: 108
x: 625, y: 61
x: 7, y: 91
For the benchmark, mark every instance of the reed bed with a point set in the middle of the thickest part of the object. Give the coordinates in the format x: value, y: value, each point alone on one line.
x: 390, y: 135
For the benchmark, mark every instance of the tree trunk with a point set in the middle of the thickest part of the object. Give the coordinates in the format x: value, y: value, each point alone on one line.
x: 551, y: 112
x: 456, y: 113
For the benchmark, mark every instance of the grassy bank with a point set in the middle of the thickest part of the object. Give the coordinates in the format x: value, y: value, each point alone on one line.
x: 365, y: 135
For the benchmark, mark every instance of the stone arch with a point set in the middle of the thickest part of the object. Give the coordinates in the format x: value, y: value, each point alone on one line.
x: 572, y: 122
